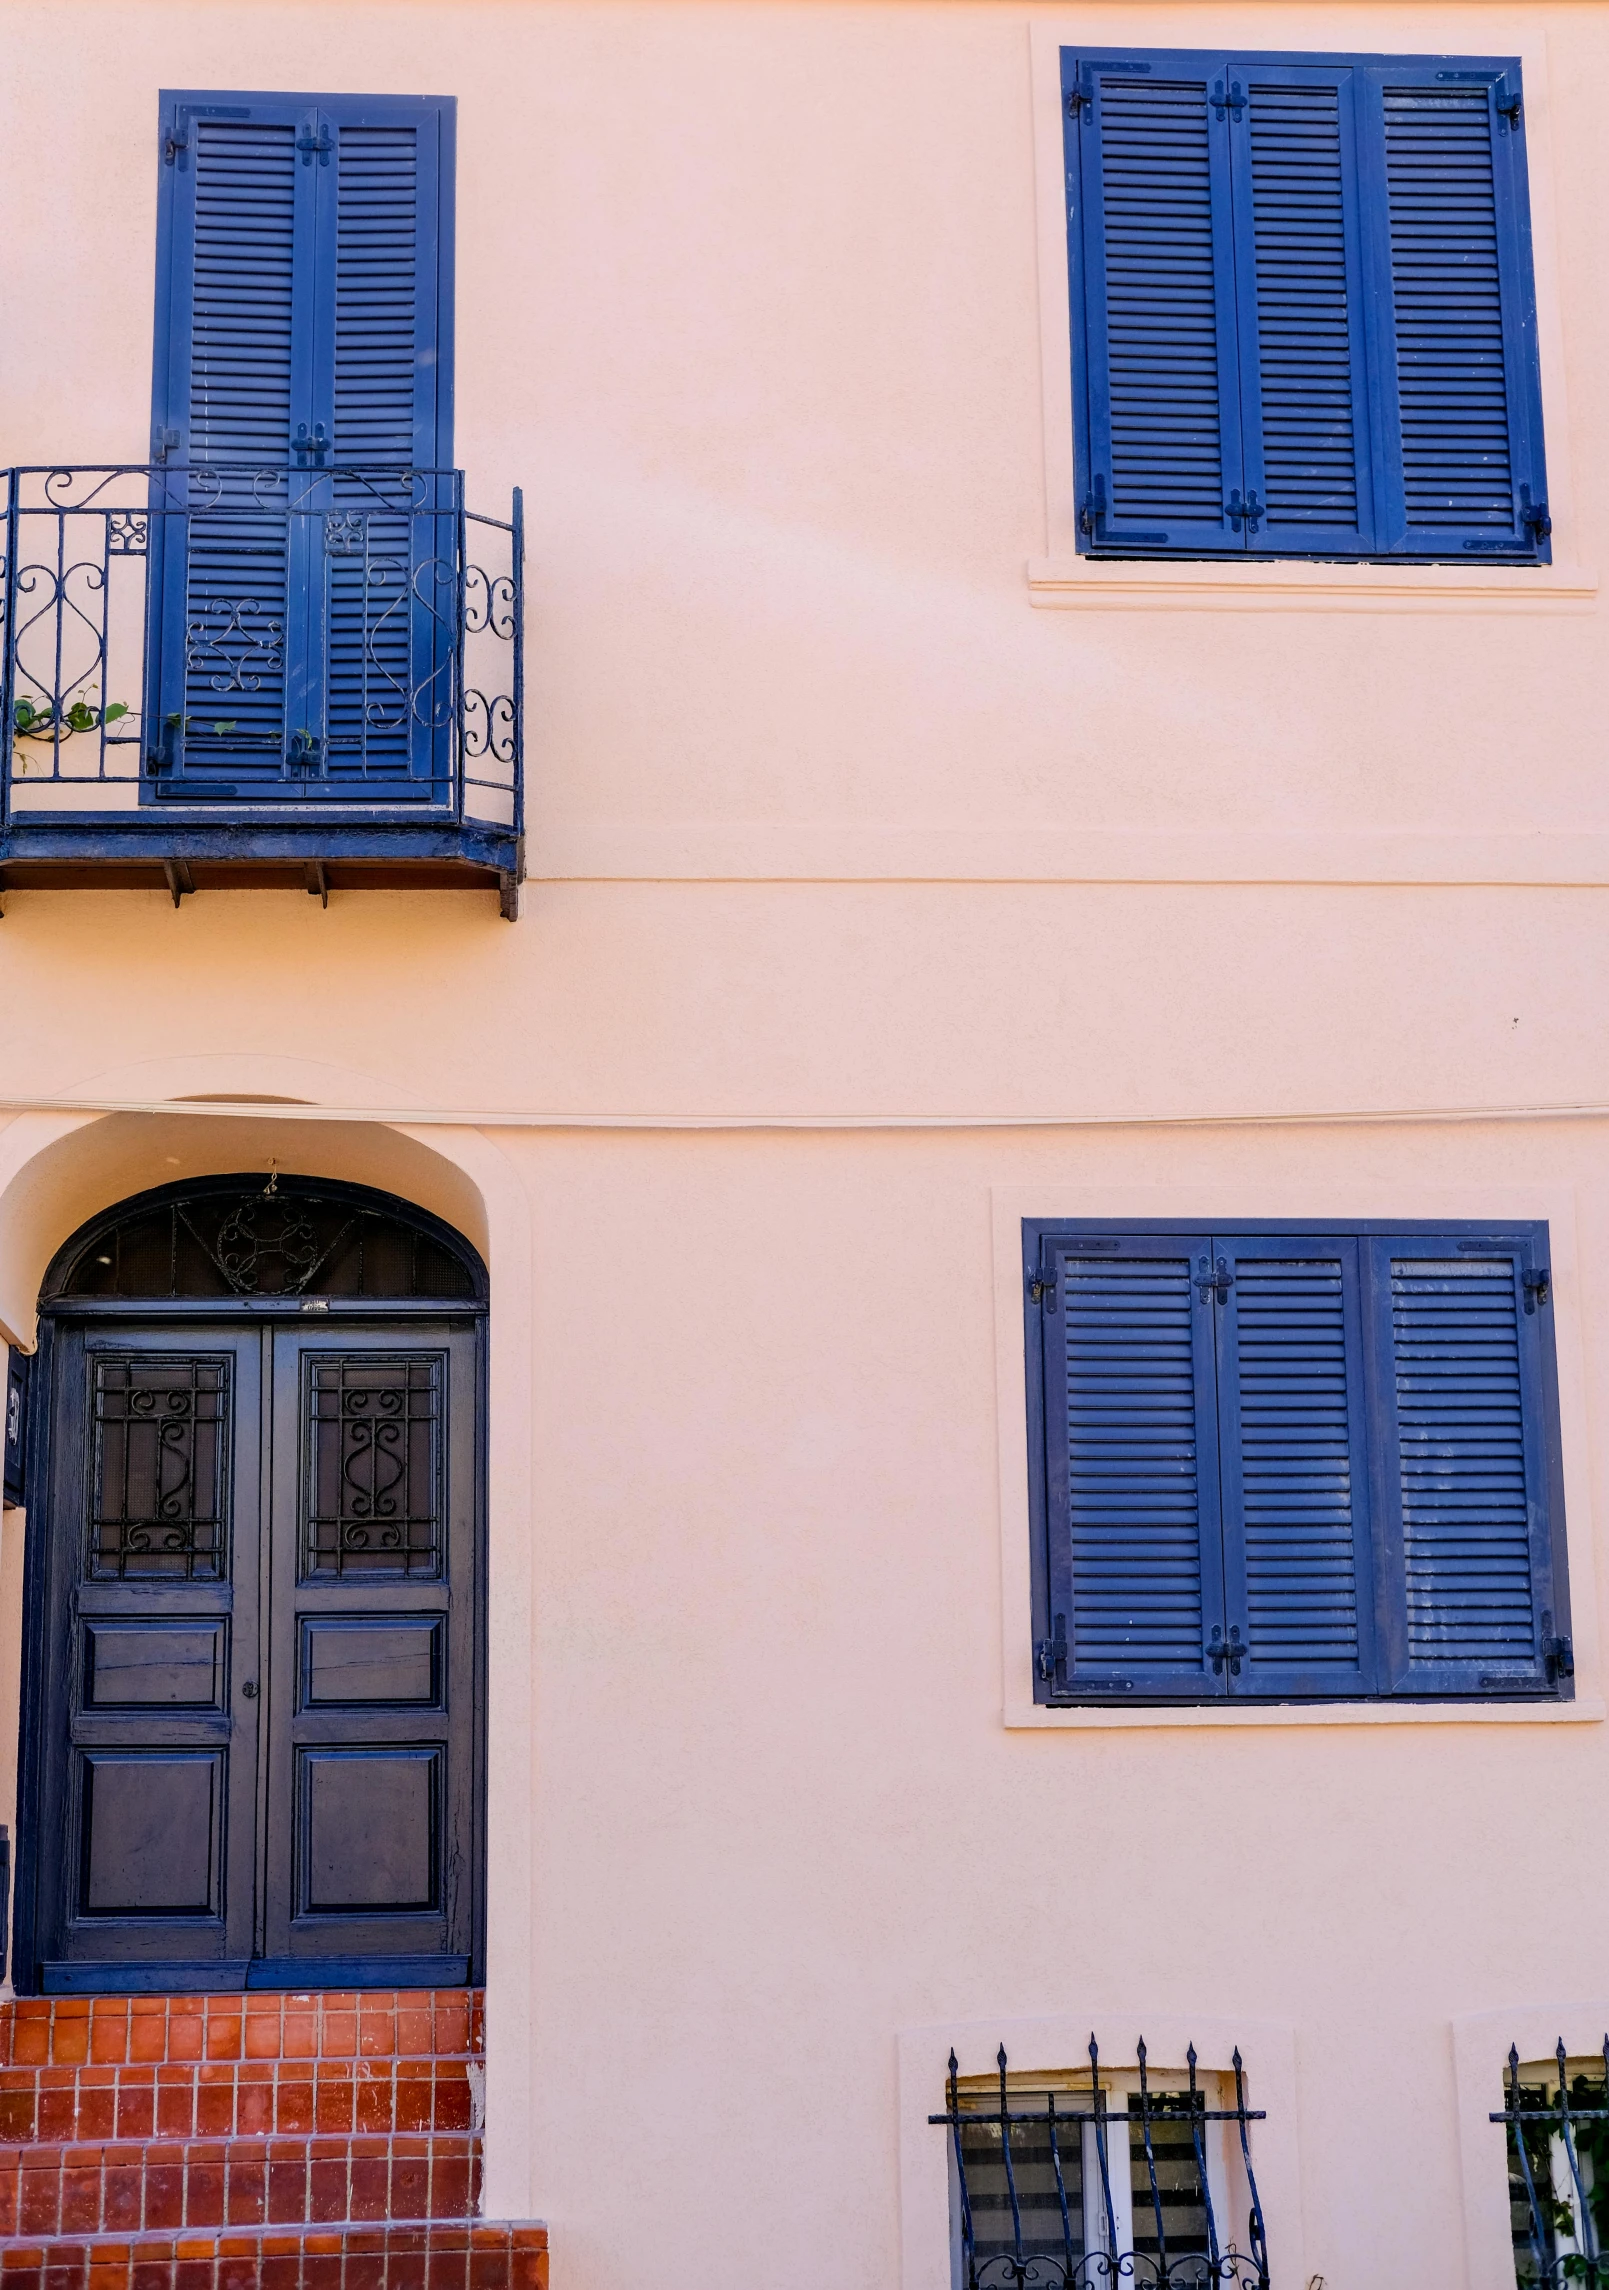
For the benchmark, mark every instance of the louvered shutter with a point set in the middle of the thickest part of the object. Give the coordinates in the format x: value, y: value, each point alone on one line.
x: 304, y: 297
x: 1298, y: 1581
x: 1465, y: 1497
x: 1300, y: 304
x: 1154, y: 276
x: 1135, y: 1571
x: 1455, y: 342
x: 232, y: 376
x: 389, y: 588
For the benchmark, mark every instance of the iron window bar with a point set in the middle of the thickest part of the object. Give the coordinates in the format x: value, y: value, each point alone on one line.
x: 1076, y: 2266
x: 1558, y: 2151
x: 430, y: 724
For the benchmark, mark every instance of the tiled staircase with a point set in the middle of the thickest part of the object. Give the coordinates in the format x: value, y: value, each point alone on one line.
x: 300, y: 2142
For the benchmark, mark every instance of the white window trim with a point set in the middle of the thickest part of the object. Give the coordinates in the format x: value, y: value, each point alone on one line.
x: 1051, y: 2044
x: 1244, y: 1208
x: 1480, y: 2054
x: 1062, y: 578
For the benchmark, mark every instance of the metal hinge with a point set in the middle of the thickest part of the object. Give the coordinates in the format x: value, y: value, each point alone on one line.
x: 1050, y: 1655
x: 164, y: 442
x: 176, y: 140
x: 310, y: 442
x: 313, y: 140
x: 1534, y: 516
x: 1251, y: 509
x: 1081, y: 95
x: 1092, y: 514
x: 1509, y: 104
x: 1215, y: 1283
x: 1538, y: 1288
x: 1558, y: 1659
x: 1230, y: 97
x: 1221, y: 1650
x: 1042, y: 1288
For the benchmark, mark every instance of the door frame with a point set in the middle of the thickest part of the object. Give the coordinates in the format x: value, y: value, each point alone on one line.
x: 26, y: 1966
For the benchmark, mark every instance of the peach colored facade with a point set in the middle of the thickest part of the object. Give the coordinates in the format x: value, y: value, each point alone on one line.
x: 893, y: 876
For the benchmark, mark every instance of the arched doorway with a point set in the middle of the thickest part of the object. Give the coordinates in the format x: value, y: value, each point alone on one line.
x: 254, y: 1646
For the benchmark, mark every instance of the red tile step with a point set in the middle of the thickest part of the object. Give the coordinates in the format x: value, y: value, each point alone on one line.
x: 151, y: 2031
x: 411, y: 2255
x: 130, y: 2187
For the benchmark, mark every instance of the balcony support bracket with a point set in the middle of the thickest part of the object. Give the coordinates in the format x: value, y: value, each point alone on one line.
x: 180, y: 880
x: 318, y: 882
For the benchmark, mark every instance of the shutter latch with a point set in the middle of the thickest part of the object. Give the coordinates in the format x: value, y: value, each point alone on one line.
x: 311, y: 443
x: 175, y: 143
x: 1050, y: 1655
x: 302, y: 753
x: 1230, y: 1650
x: 1534, y: 516
x: 1215, y: 1284
x: 1230, y: 98
x: 1251, y: 509
x: 1042, y: 1287
x: 1537, y: 1288
x: 315, y: 139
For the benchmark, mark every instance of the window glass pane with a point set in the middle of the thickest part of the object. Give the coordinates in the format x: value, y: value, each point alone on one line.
x: 1033, y: 2167
x: 1172, y: 2211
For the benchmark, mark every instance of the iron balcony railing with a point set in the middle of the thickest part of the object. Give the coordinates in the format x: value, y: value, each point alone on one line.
x: 1557, y: 2127
x: 1105, y: 2190
x: 260, y: 645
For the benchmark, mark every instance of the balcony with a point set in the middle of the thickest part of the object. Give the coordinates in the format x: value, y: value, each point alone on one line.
x: 237, y: 675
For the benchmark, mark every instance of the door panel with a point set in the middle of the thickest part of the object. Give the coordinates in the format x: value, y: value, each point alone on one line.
x: 150, y: 1743
x: 371, y: 1793
x: 258, y: 1661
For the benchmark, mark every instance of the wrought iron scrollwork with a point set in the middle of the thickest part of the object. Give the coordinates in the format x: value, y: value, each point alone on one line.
x: 234, y: 644
x: 1558, y: 2163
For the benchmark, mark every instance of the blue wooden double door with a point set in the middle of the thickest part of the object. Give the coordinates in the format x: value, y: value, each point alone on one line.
x: 257, y: 1651
x: 302, y: 540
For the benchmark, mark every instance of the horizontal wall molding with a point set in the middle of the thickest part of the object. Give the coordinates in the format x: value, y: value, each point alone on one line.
x: 761, y: 852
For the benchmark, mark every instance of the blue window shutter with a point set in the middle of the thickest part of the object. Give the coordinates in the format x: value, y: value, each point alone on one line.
x: 1153, y: 279
x: 233, y: 370
x: 1455, y: 312
x: 1298, y: 1579
x: 304, y: 299
x: 1300, y: 299
x: 1464, y: 1477
x: 384, y: 247
x: 1135, y: 1573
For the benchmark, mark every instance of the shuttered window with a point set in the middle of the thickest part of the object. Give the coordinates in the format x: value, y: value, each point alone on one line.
x: 302, y: 397
x: 1294, y: 1464
x: 1303, y: 311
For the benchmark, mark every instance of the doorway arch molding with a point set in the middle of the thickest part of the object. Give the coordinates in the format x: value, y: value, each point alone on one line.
x: 59, y: 1169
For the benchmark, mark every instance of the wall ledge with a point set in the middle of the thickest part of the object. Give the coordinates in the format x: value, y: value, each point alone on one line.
x: 1075, y: 582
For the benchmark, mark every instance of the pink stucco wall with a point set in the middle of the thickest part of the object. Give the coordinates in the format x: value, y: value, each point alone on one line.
x: 880, y: 898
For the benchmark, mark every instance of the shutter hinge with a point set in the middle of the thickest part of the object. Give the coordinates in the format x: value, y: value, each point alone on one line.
x: 1538, y: 1288
x: 1221, y: 1650
x: 164, y: 442
x: 1251, y: 509
x: 316, y: 139
x: 1509, y: 105
x: 1092, y: 515
x: 1215, y: 1283
x: 1078, y: 95
x: 1042, y: 1288
x: 175, y: 143
x: 1050, y: 1655
x: 1534, y: 516
x: 1558, y: 1659
x: 1230, y: 97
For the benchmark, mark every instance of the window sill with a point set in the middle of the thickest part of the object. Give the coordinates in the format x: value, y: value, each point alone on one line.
x: 1206, y: 585
x: 1586, y: 1709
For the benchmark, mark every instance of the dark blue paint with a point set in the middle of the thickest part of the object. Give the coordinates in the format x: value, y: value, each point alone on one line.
x: 1293, y: 1463
x: 1258, y: 368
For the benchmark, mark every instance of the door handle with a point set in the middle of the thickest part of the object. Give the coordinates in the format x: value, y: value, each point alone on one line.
x: 249, y: 1689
